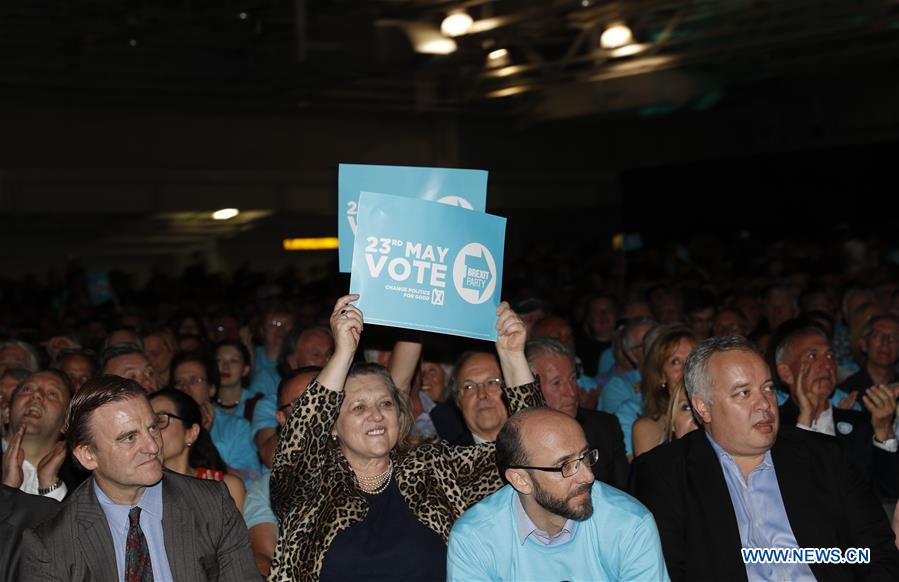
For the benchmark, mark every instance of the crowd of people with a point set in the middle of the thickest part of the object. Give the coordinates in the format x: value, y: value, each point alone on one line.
x: 640, y: 424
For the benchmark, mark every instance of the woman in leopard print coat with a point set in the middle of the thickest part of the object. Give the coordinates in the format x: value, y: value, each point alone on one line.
x: 346, y: 448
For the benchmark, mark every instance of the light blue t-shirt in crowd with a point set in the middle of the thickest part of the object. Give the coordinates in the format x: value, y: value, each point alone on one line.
x: 266, y: 382
x: 261, y: 364
x: 619, y: 542
x: 232, y: 437
x: 257, y: 507
x: 621, y: 398
x: 264, y: 414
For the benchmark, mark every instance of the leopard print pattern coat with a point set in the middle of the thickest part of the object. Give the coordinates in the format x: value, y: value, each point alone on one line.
x: 314, y: 493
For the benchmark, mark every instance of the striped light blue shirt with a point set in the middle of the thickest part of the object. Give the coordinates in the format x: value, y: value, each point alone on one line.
x: 761, y: 516
x: 150, y: 523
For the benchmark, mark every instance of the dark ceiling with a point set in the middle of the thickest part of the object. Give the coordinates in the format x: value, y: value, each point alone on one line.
x: 121, y: 90
x: 352, y: 55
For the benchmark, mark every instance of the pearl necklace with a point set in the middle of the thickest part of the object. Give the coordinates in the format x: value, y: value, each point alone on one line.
x: 376, y: 484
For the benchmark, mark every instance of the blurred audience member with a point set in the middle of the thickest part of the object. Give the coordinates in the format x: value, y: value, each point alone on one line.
x: 621, y: 395
x: 195, y: 375
x: 33, y: 454
x: 79, y: 365
x: 552, y: 362
x: 258, y: 513
x: 661, y: 371
x: 556, y: 327
x: 186, y: 446
x: 729, y: 322
x: 806, y: 364
x: 879, y: 346
x: 129, y: 361
x: 160, y: 347
x: 699, y: 306
x: 18, y: 354
x: 594, y: 335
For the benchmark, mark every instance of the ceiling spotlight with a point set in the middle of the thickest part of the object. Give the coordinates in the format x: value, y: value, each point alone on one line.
x: 498, y: 58
x: 225, y: 213
x: 456, y: 23
x: 242, y: 15
x: 616, y: 35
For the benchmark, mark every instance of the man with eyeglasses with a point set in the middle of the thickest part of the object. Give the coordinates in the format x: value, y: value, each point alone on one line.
x: 804, y: 364
x: 880, y: 346
x: 478, y: 383
x: 551, y: 521
x: 196, y: 375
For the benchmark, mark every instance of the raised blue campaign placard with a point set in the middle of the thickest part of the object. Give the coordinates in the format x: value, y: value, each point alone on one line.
x: 432, y: 267
x: 453, y: 186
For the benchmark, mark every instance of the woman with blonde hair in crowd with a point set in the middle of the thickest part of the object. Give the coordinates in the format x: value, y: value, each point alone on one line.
x: 680, y: 414
x: 662, y: 369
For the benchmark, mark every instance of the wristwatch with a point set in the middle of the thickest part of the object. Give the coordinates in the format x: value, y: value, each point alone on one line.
x: 51, y: 488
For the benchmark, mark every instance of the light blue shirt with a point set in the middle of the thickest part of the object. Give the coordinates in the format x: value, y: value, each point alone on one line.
x: 232, y: 437
x: 761, y: 516
x: 424, y: 426
x: 606, y: 362
x: 527, y: 528
x: 150, y: 523
x: 264, y: 414
x: 257, y: 508
x: 619, y: 541
x: 621, y: 398
x: 266, y: 382
x: 261, y: 363
x: 618, y: 390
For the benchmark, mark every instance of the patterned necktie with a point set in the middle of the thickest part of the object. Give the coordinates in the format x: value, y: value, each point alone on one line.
x: 137, y: 554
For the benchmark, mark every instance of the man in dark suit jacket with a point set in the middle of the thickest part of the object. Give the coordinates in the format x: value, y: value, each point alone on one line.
x: 744, y: 482
x: 553, y: 362
x: 18, y: 511
x: 131, y: 519
x: 805, y: 366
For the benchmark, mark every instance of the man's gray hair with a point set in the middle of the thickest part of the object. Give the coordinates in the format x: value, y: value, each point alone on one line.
x: 696, y: 370
x: 632, y: 325
x: 780, y: 351
x: 547, y: 346
x: 34, y: 361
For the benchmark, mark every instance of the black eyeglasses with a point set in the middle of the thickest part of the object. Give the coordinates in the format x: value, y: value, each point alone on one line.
x: 164, y: 418
x: 570, y: 467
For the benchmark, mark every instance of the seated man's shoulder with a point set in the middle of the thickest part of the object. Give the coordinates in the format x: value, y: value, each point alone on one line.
x: 59, y: 522
x: 196, y: 490
x: 599, y: 418
x: 811, y: 441
x: 611, y: 505
x: 671, y: 452
x: 483, y: 516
